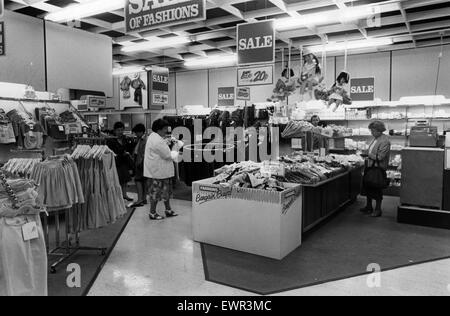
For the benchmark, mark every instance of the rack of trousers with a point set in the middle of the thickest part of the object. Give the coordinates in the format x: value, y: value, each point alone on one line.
x: 83, y: 186
x: 23, y: 256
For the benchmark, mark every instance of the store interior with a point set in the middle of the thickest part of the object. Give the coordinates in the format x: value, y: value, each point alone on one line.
x: 274, y: 149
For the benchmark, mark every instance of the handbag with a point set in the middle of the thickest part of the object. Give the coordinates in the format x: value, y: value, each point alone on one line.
x: 375, y: 177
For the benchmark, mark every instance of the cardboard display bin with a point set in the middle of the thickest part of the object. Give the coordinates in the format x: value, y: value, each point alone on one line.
x: 263, y: 223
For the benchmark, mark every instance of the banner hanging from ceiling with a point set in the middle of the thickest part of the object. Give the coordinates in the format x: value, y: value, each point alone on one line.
x: 362, y: 89
x: 226, y: 96
x: 144, y: 15
x: 2, y: 38
x: 159, y: 88
x: 256, y: 43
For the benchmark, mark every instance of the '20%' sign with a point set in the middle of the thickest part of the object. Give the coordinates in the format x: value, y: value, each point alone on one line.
x: 255, y: 76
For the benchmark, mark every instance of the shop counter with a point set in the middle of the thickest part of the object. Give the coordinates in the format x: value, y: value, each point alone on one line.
x: 322, y: 200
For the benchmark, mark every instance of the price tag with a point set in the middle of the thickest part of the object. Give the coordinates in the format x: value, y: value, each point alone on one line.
x: 30, y: 231
x: 61, y: 128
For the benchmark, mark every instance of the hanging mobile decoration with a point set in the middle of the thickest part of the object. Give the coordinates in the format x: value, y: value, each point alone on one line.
x: 338, y: 94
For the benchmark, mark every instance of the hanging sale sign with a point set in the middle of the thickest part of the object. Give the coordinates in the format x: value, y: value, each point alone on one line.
x: 227, y: 96
x: 159, y: 88
x: 143, y: 15
x: 256, y: 43
x: 243, y: 94
x: 255, y: 76
x: 2, y: 38
x: 362, y: 89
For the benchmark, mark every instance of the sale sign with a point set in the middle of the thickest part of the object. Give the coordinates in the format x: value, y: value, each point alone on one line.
x: 256, y: 43
x: 243, y: 94
x: 2, y: 38
x: 226, y: 96
x: 144, y: 15
x: 159, y: 87
x: 255, y: 76
x: 362, y: 89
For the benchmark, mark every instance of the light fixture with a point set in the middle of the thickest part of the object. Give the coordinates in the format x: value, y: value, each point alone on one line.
x: 217, y: 60
x: 127, y: 70
x: 85, y: 9
x: 327, y: 17
x: 153, y: 43
x: 351, y: 45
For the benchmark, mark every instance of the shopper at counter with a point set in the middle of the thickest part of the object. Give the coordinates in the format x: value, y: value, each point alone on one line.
x: 139, y: 156
x: 315, y: 141
x: 124, y: 161
x: 378, y: 155
x: 159, y: 169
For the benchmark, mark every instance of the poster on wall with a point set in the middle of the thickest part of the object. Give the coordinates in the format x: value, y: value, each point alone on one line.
x: 256, y: 43
x: 2, y: 38
x: 159, y: 88
x: 145, y: 15
x: 243, y: 94
x: 226, y: 96
x: 362, y: 89
x: 255, y: 76
x: 134, y: 91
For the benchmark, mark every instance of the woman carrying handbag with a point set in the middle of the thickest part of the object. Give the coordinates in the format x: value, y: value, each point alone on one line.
x: 375, y: 178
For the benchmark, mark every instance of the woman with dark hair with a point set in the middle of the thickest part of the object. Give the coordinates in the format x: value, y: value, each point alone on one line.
x: 378, y: 155
x: 124, y: 162
x: 139, y: 156
x: 159, y: 169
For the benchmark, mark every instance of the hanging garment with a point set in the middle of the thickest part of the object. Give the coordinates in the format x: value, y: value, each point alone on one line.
x: 7, y: 133
x: 138, y: 85
x: 125, y: 87
x: 23, y: 262
x: 59, y: 183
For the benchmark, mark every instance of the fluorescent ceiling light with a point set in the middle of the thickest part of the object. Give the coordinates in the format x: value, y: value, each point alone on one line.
x: 327, y: 17
x: 217, y: 60
x: 157, y: 43
x: 351, y: 45
x: 85, y: 9
x: 127, y: 70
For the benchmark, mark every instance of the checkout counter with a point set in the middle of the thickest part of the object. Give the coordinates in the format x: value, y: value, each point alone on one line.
x: 425, y: 191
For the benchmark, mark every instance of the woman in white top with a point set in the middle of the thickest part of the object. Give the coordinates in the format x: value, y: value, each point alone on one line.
x: 159, y: 169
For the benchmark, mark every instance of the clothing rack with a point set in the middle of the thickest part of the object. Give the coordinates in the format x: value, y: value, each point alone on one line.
x: 64, y: 249
x: 92, y: 140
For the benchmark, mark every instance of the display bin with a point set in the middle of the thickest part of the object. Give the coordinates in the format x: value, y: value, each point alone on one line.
x: 258, y: 222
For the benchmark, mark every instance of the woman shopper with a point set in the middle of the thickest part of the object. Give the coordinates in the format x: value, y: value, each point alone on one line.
x: 159, y: 169
x: 378, y: 156
x: 139, y: 156
x: 124, y: 162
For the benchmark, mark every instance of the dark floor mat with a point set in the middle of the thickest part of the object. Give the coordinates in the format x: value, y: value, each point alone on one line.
x: 90, y: 262
x: 342, y: 248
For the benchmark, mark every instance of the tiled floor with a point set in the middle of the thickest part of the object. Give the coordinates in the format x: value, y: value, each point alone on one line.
x: 160, y: 258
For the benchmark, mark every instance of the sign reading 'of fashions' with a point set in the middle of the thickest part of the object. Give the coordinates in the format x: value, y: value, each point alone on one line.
x: 143, y: 15
x: 226, y: 96
x: 256, y: 43
x: 255, y: 76
x: 2, y: 38
x: 362, y: 89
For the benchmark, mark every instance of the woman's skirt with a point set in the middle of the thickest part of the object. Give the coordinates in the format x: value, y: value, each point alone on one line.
x: 160, y: 189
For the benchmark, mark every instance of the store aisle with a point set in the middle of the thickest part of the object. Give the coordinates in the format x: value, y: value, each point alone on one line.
x: 157, y: 258
x: 160, y: 258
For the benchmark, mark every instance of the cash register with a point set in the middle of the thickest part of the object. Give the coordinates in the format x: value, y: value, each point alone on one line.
x: 424, y: 136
